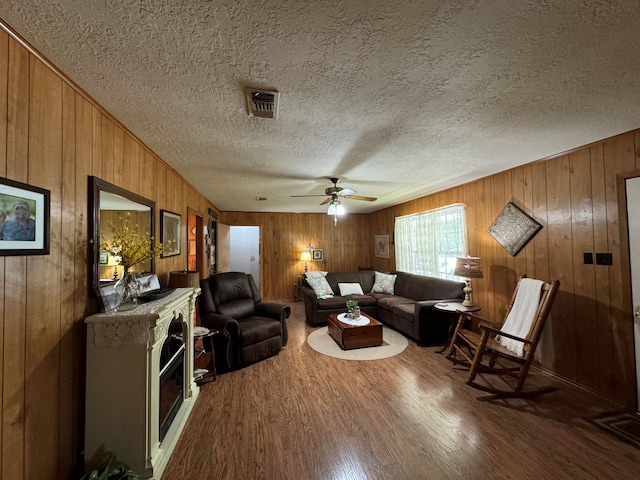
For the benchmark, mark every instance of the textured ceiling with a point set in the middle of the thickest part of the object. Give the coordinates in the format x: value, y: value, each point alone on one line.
x: 397, y: 98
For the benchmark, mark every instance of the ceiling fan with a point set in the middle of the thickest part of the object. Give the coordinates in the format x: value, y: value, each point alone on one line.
x: 335, y: 192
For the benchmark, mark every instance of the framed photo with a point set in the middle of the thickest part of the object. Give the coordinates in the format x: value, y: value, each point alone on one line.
x: 169, y: 233
x: 317, y: 255
x: 104, y: 258
x: 24, y: 219
x: 513, y: 228
x: 382, y: 246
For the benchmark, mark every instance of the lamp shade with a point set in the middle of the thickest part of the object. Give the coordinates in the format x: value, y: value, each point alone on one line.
x: 468, y: 267
x: 305, y: 256
x: 184, y: 279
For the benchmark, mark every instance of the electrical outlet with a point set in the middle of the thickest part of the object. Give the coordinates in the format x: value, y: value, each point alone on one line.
x: 588, y: 258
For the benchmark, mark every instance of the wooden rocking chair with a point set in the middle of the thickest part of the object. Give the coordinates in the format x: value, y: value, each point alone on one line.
x: 471, y: 348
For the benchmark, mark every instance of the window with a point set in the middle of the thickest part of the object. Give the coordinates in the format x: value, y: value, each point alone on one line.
x: 428, y: 243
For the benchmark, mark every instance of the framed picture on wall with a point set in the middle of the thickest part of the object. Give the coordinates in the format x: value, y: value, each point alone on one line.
x: 382, y: 246
x: 317, y: 255
x: 24, y: 219
x: 169, y: 233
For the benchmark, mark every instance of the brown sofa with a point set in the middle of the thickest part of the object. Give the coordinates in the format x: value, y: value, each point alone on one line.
x: 410, y: 310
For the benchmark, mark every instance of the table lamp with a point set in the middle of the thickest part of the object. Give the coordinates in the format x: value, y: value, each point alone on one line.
x: 468, y: 267
x: 305, y: 257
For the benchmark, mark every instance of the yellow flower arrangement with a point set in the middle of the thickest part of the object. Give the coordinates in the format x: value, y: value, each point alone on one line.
x: 130, y: 247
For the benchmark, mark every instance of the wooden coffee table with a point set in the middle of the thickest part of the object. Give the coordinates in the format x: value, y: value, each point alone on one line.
x: 353, y: 336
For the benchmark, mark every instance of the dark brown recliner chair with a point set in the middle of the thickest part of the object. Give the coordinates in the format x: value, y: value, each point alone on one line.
x: 251, y: 329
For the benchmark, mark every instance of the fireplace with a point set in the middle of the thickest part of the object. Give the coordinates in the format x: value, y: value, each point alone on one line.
x: 140, y: 388
x: 171, y: 377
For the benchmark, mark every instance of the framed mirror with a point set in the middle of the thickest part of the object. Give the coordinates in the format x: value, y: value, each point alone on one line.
x: 112, y: 205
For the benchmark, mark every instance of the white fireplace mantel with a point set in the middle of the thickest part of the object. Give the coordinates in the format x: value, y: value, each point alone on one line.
x: 123, y: 382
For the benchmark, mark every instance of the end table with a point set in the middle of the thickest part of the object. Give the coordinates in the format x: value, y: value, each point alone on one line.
x: 203, y: 345
x: 453, y: 307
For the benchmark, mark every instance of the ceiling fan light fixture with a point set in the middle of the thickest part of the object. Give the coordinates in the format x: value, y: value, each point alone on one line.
x: 336, y: 208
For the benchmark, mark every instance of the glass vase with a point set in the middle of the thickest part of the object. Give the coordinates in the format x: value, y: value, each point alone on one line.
x: 127, y: 289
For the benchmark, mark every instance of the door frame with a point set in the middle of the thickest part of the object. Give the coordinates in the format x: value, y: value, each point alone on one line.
x: 198, y: 224
x: 625, y: 262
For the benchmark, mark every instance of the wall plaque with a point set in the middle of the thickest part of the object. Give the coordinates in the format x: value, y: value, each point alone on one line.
x: 513, y: 228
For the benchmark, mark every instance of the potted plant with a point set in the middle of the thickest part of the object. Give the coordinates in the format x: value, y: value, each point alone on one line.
x: 353, y: 309
x: 105, y: 466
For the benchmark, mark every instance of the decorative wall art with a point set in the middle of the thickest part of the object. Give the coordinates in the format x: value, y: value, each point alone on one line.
x: 24, y: 219
x: 169, y: 233
x: 513, y: 229
x: 317, y: 255
x: 382, y: 246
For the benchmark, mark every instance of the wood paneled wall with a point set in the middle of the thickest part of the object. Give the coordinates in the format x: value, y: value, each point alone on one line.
x: 53, y: 136
x: 284, y: 236
x: 589, y: 338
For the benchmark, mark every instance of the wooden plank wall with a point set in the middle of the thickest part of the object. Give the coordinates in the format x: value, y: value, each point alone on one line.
x: 53, y: 136
x: 284, y: 236
x: 589, y: 337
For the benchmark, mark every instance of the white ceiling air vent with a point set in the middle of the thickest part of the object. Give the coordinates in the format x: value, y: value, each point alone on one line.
x: 262, y: 103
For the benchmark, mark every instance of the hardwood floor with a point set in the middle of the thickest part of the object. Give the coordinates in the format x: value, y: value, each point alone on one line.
x: 303, y: 415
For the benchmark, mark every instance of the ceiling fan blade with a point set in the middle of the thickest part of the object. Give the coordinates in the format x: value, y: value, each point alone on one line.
x: 360, y: 197
x: 327, y: 200
x: 307, y: 195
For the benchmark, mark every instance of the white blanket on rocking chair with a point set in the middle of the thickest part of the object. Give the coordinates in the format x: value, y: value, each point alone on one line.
x: 522, y: 314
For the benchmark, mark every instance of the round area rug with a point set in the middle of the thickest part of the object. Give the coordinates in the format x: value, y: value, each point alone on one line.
x: 393, y: 343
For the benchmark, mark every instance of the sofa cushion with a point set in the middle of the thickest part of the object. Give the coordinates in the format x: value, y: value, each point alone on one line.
x: 320, y: 286
x: 257, y: 329
x: 332, y: 303
x: 239, y: 308
x: 388, y: 302
x: 405, y: 310
x: 384, y: 283
x: 350, y: 289
x: 363, y: 300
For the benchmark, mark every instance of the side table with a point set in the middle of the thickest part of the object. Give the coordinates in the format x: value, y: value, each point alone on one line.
x: 204, y: 356
x: 453, y: 308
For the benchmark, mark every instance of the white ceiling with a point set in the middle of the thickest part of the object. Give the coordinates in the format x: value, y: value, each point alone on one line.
x: 397, y: 98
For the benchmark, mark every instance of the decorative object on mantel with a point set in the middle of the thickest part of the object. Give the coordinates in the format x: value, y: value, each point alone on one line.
x: 129, y: 248
x: 468, y: 267
x: 513, y: 228
x: 184, y: 279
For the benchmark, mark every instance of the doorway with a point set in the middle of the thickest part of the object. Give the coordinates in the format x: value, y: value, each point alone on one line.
x: 244, y: 251
x: 633, y: 212
x: 195, y: 244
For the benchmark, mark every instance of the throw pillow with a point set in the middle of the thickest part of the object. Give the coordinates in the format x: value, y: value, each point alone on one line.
x: 320, y: 286
x: 384, y: 283
x: 350, y: 289
x: 315, y: 274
